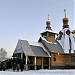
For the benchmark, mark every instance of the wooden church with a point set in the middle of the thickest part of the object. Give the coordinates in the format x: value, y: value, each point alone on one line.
x: 50, y: 52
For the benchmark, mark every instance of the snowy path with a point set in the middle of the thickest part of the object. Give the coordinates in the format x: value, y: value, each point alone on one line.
x: 40, y: 72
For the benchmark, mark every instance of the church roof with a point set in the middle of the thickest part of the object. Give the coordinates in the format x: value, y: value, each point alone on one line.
x: 52, y: 47
x: 39, y: 51
x: 49, y: 31
x: 30, y: 49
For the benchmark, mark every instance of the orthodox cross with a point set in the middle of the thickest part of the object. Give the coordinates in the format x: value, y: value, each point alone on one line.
x: 48, y: 16
x: 65, y: 12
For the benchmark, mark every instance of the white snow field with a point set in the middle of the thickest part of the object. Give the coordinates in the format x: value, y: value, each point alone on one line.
x: 39, y: 72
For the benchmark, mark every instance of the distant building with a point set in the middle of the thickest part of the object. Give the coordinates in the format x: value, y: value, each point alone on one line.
x: 49, y: 52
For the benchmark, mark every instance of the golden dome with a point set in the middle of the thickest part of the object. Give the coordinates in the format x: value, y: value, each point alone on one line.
x: 65, y: 19
x: 47, y: 22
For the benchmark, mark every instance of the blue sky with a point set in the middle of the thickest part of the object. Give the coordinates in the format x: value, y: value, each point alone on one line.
x: 25, y: 19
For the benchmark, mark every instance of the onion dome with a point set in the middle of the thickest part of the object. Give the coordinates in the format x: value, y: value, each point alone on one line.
x: 48, y: 24
x: 65, y: 20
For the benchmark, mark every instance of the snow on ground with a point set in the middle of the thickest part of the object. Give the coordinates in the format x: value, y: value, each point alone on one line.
x: 39, y: 72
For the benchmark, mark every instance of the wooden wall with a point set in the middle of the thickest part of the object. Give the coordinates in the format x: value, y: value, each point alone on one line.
x: 59, y: 59
x: 68, y: 59
x: 62, y: 59
x: 51, y: 39
x: 39, y: 61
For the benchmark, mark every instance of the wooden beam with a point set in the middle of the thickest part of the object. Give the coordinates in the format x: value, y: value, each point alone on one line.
x: 42, y: 62
x: 49, y: 62
x: 26, y: 63
x: 21, y: 55
x: 35, y: 63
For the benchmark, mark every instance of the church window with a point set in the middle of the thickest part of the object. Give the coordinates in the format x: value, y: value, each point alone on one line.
x: 50, y: 35
x: 54, y: 58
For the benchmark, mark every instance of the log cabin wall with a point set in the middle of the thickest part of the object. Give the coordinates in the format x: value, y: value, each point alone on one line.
x: 62, y: 61
x: 46, y: 61
x: 70, y: 59
x: 38, y: 60
x: 57, y: 59
x: 50, y: 39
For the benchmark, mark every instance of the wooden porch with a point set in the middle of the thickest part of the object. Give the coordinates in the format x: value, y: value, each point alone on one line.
x: 33, y: 62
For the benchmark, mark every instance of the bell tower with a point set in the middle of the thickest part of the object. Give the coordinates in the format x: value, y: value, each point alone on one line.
x: 48, y: 34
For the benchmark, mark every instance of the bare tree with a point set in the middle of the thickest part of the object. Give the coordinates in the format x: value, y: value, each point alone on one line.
x: 3, y: 54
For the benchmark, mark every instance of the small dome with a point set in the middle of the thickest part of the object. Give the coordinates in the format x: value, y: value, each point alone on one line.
x: 47, y: 22
x: 65, y: 19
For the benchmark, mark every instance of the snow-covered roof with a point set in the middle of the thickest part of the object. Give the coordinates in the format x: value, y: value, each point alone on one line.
x: 47, y: 41
x: 51, y: 47
x: 47, y: 30
x: 31, y: 48
x: 35, y: 43
x: 38, y: 44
